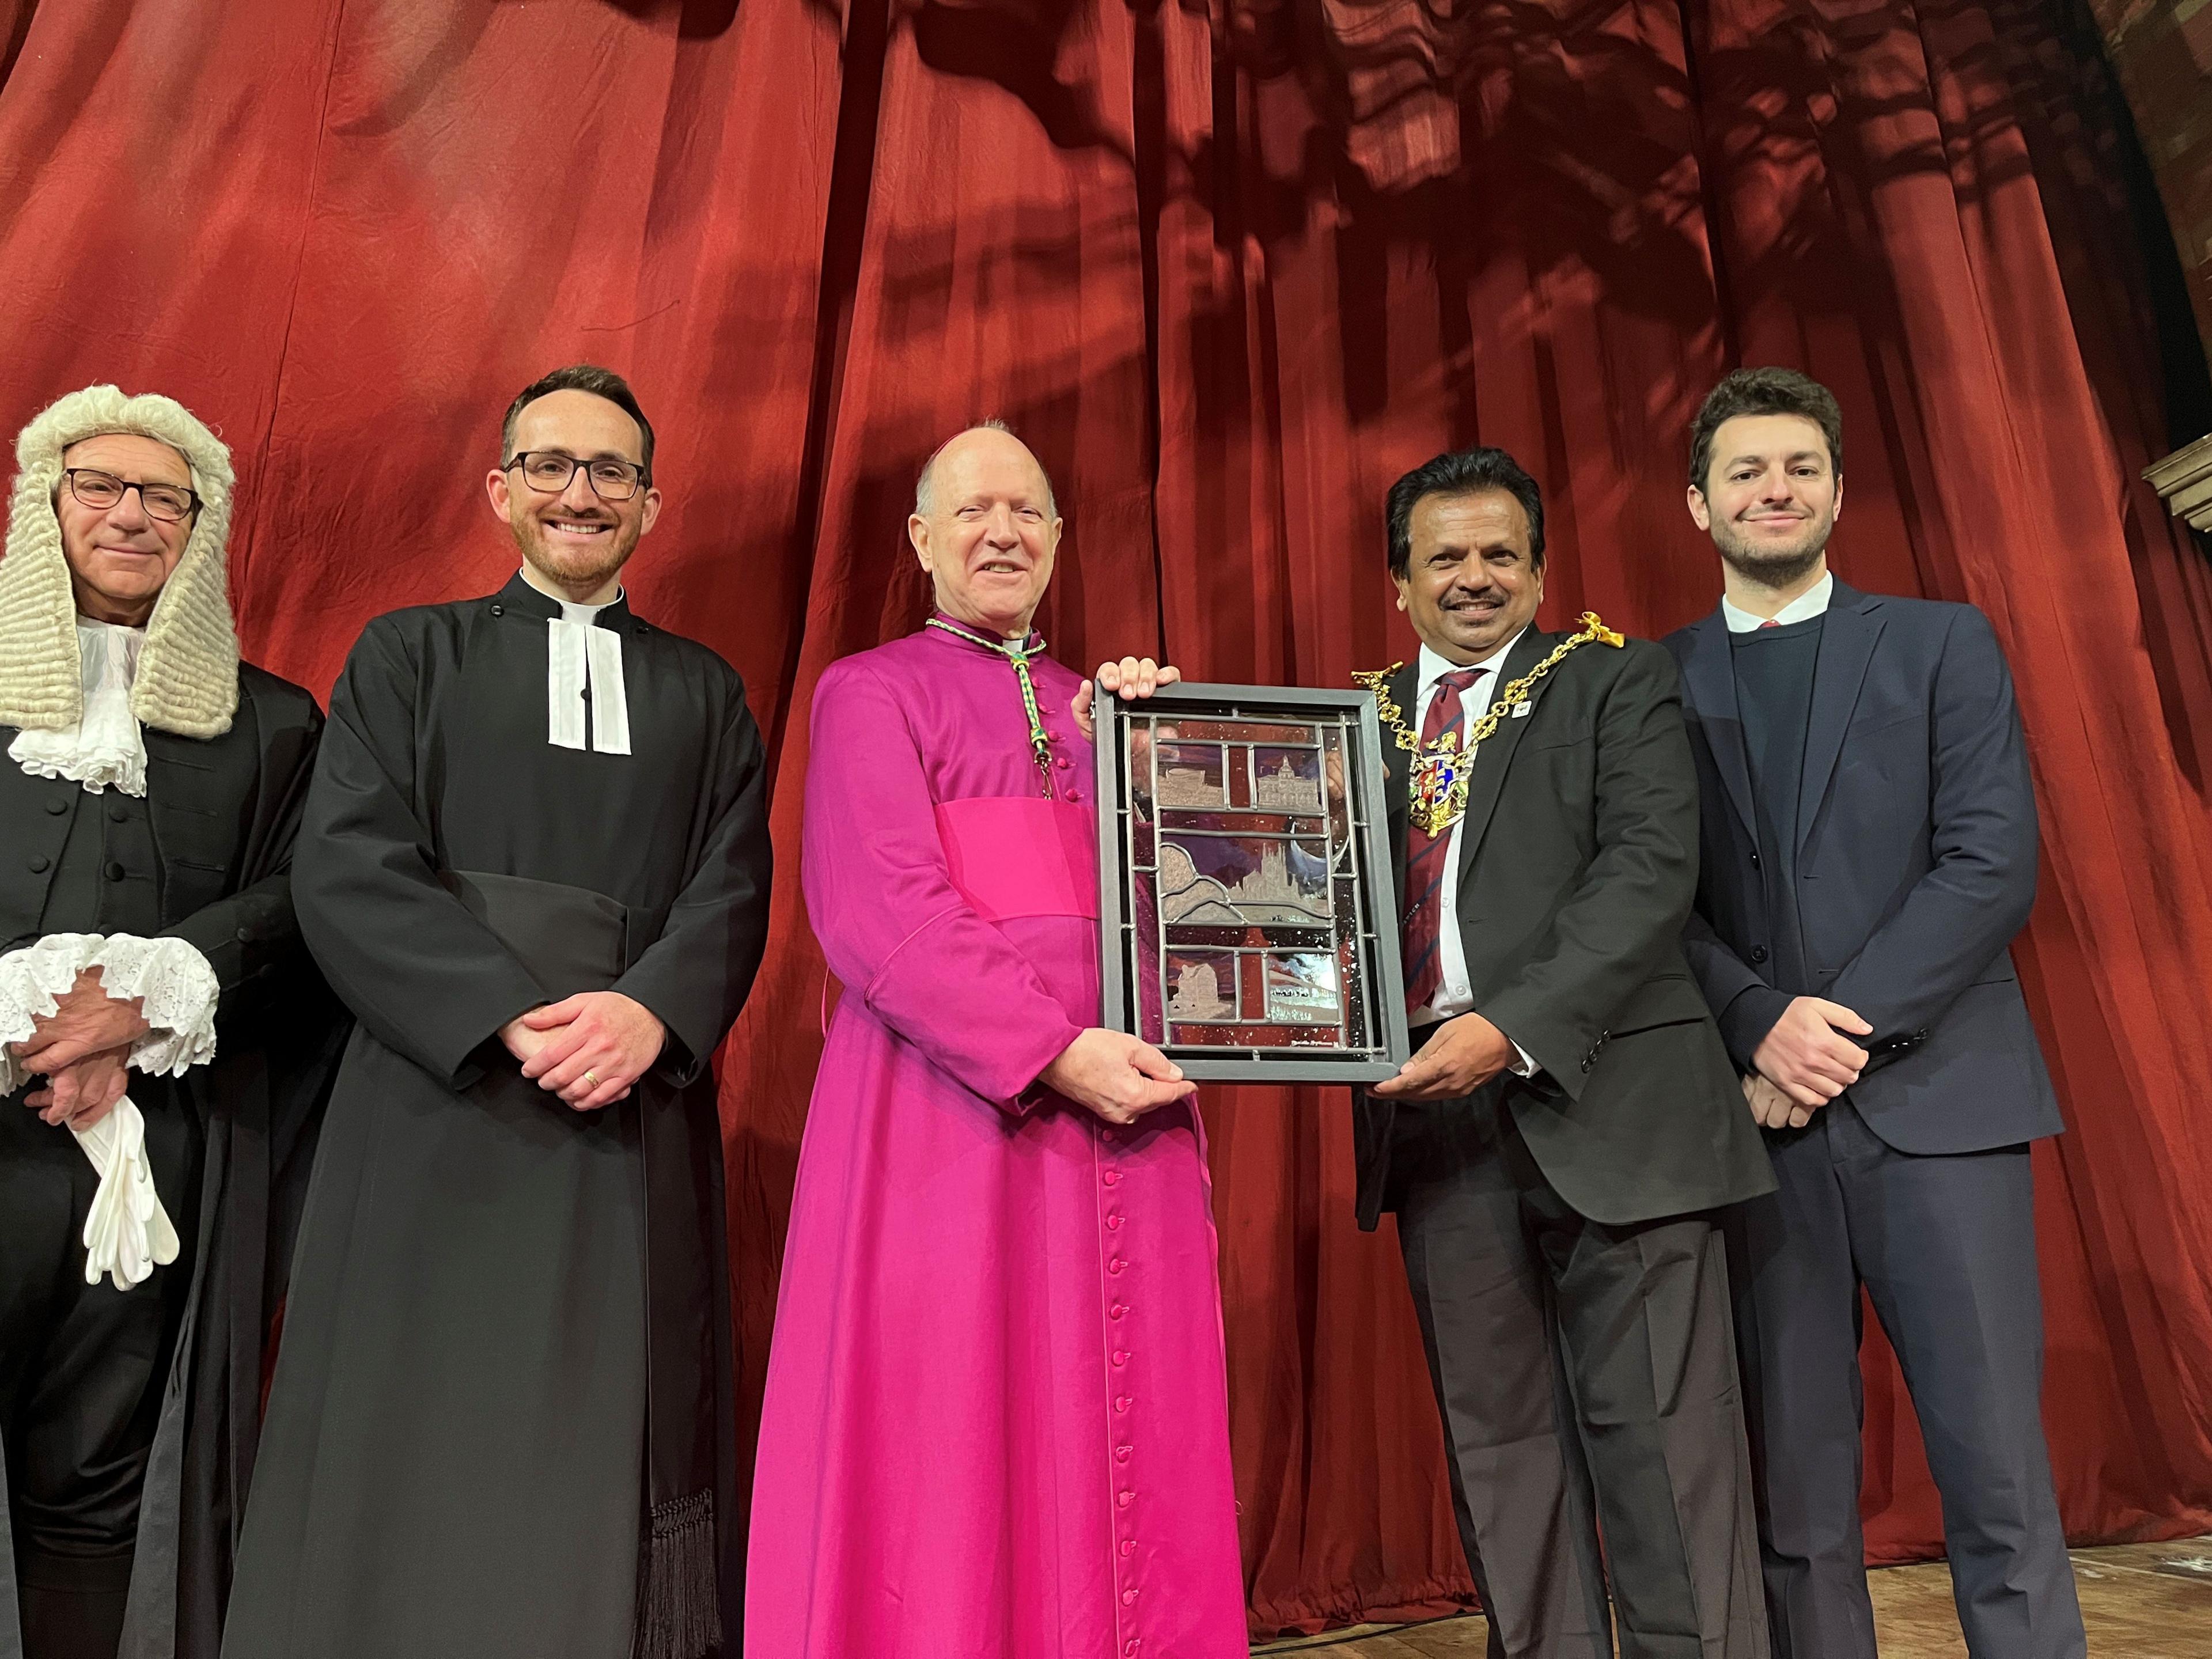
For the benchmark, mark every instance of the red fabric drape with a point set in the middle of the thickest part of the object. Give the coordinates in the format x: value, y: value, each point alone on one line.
x: 1230, y: 266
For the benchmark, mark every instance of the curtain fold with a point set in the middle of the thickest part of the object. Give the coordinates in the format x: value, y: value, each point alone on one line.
x: 1230, y: 266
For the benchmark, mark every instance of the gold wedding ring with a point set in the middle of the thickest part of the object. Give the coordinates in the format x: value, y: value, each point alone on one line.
x: 592, y: 1077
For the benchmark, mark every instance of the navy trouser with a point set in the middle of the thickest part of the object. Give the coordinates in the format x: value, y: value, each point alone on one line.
x: 1945, y: 1247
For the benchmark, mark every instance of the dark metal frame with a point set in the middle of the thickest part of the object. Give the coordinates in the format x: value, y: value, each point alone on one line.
x: 1368, y: 821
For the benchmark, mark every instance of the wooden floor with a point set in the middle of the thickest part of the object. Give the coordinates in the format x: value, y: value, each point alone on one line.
x: 2139, y: 1601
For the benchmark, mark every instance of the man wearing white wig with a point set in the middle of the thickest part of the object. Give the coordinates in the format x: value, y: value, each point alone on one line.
x: 148, y: 806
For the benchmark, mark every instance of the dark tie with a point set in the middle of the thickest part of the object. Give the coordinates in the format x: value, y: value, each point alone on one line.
x: 1426, y: 855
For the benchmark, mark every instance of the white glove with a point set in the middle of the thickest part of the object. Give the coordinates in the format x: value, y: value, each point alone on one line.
x: 127, y: 1233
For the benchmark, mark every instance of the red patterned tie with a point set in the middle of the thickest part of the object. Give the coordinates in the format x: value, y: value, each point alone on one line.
x: 1426, y: 855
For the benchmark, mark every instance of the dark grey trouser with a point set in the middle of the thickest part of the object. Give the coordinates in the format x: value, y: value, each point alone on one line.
x: 1946, y: 1249
x: 81, y: 1371
x: 1579, y: 1367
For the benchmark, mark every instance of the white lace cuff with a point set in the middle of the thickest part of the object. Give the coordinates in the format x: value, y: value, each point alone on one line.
x: 175, y: 983
x: 127, y: 1233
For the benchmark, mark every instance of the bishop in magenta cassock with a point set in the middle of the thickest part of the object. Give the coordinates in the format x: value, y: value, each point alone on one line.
x: 996, y: 1421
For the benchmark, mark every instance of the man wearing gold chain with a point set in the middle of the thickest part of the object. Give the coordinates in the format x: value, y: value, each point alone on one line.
x: 1570, y: 1117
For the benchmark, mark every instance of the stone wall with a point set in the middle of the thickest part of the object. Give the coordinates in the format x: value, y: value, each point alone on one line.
x: 2162, y: 53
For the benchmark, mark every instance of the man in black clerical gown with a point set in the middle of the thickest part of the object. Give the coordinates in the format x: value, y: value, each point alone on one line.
x: 156, y: 999
x: 536, y: 865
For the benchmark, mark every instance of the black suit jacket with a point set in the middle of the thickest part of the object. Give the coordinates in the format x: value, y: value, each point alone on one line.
x: 1577, y: 865
x: 1916, y: 859
x: 225, y: 811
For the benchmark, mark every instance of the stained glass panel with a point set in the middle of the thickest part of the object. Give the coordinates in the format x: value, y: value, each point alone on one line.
x: 1248, y: 921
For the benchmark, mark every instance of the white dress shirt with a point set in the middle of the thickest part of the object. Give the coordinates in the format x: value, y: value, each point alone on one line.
x: 580, y: 658
x: 1455, y: 995
x: 1813, y: 602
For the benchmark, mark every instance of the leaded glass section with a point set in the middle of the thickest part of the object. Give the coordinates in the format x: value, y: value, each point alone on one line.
x: 1248, y: 924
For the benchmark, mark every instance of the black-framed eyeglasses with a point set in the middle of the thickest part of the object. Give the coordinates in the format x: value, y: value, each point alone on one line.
x: 548, y: 473
x: 171, y: 503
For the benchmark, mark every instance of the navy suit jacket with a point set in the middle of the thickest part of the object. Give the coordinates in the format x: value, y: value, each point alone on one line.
x: 1915, y: 863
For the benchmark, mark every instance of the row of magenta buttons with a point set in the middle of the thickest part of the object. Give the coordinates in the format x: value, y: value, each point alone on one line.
x: 1072, y: 796
x: 1124, y: 1445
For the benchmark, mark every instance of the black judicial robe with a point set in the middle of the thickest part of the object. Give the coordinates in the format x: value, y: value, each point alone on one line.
x: 503, y: 1398
x: 223, y: 813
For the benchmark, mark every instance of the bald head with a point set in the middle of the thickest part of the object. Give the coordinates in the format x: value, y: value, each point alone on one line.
x: 991, y: 437
x: 986, y: 529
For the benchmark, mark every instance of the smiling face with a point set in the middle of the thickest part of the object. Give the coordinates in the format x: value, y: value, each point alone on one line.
x: 1470, y: 583
x: 988, y: 535
x: 119, y: 557
x: 577, y: 539
x: 1772, y: 498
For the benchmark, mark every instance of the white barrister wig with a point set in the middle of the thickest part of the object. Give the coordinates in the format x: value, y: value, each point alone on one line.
x: 187, y: 679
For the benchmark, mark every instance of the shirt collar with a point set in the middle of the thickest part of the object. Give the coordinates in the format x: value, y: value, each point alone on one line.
x: 945, y: 626
x: 1813, y: 602
x: 524, y: 594
x: 107, y: 653
x: 1435, y: 667
x: 106, y: 745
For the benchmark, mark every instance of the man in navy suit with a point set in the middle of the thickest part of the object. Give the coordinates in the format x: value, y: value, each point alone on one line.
x: 1868, y: 853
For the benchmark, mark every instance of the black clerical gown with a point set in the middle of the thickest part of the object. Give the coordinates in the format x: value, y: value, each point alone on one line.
x: 130, y: 1416
x: 490, y: 1287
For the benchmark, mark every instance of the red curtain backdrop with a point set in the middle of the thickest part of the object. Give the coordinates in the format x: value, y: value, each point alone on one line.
x: 1230, y: 266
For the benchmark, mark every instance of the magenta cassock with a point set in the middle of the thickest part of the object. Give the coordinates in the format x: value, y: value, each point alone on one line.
x: 996, y: 1422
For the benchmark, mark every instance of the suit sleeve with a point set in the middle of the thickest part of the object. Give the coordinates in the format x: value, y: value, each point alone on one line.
x: 1744, y: 1005
x: 252, y: 937
x: 1614, y: 931
x: 422, y: 973
x: 897, y: 931
x: 1966, y: 908
x: 696, y: 976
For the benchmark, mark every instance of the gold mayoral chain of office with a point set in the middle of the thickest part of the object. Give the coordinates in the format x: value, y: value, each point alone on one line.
x: 1442, y: 772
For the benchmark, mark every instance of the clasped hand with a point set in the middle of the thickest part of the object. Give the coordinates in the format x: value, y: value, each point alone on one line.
x: 1465, y: 1053
x: 1117, y: 1076
x: 1809, y: 1055
x: 613, y: 1037
x: 1772, y: 1109
x: 83, y: 1050
x: 1131, y: 677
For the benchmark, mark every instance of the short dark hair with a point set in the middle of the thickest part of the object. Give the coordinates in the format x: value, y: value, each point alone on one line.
x: 1765, y: 391
x: 581, y: 377
x: 1462, y: 472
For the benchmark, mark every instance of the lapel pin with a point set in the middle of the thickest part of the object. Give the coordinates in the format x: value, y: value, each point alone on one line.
x: 1521, y: 710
